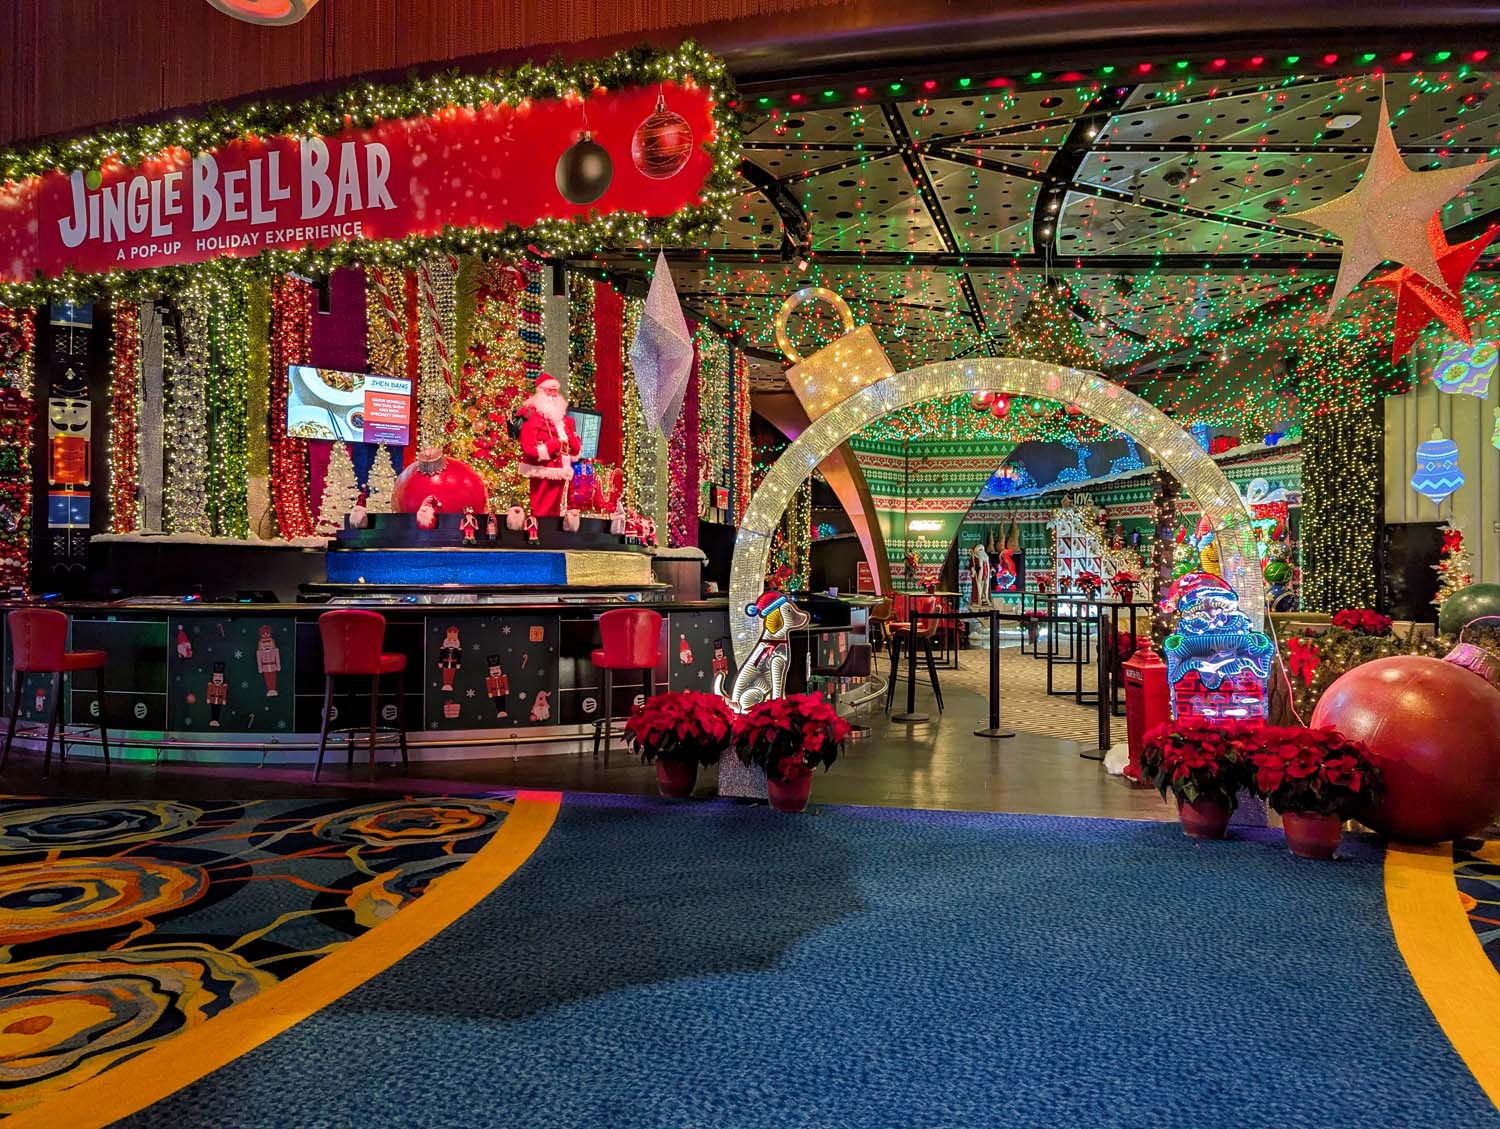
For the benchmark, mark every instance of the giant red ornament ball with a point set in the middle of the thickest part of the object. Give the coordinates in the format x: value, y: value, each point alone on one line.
x: 454, y: 484
x: 1431, y: 727
x: 662, y: 143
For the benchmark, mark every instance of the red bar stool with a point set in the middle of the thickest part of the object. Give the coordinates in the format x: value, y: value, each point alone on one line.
x: 922, y: 607
x: 352, y: 648
x: 39, y: 645
x: 630, y: 639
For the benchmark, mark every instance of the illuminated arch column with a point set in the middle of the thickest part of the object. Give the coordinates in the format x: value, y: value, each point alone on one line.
x: 1095, y: 396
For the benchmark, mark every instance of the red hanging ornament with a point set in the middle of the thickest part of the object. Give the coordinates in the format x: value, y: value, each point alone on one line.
x: 662, y: 143
x: 1419, y: 301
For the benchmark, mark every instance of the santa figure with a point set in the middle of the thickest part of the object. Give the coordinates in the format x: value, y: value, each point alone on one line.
x: 549, y: 444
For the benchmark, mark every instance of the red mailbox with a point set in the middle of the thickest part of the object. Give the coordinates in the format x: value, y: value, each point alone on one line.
x: 1148, y: 702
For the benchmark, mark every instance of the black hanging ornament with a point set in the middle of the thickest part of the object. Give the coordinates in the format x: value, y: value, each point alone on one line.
x: 584, y: 171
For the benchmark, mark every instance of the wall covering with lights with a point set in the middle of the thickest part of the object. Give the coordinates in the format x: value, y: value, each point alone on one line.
x: 349, y: 250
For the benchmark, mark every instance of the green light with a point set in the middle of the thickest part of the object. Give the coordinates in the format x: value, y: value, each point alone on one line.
x: 1367, y: 57
x: 1108, y: 70
x: 1442, y: 56
x: 830, y: 94
x: 1291, y: 60
x: 1035, y: 75
x: 895, y: 88
x: 964, y: 81
x: 1181, y: 64
x: 764, y: 101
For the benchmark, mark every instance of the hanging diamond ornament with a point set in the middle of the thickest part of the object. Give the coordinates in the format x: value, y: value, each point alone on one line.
x: 662, y: 143
x: 661, y: 356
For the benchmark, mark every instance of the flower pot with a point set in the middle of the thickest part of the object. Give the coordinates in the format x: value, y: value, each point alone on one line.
x: 789, y: 795
x: 1204, y: 818
x: 676, y: 778
x: 1312, y: 836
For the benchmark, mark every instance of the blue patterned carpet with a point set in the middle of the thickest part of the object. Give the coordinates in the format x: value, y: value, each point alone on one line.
x: 703, y: 965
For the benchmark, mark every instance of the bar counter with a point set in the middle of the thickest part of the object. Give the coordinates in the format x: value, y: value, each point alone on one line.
x: 461, y: 646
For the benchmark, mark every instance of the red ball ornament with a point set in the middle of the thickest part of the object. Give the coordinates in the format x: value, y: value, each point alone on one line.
x: 1000, y: 408
x: 1431, y: 727
x: 662, y: 143
x: 454, y: 484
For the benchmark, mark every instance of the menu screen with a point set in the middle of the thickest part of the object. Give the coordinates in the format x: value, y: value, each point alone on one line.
x: 356, y: 407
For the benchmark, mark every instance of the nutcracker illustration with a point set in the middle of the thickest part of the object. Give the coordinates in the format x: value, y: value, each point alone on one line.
x: 184, y: 646
x: 450, y: 658
x: 540, y: 710
x: 684, y: 652
x: 497, y: 685
x: 268, y: 659
x: 217, y: 695
x: 721, y: 661
x: 469, y: 526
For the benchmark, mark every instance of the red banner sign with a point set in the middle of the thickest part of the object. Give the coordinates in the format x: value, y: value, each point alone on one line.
x: 488, y: 169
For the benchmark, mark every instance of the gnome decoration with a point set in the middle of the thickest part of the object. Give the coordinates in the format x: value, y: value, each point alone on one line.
x: 515, y: 519
x: 549, y: 444
x: 541, y: 710
x: 359, y: 516
x: 572, y: 521
x: 184, y: 645
x: 427, y: 513
x: 684, y: 652
x: 618, y: 520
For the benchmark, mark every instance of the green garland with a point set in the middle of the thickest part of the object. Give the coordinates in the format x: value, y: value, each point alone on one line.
x: 364, y: 104
x: 258, y: 377
x: 580, y: 341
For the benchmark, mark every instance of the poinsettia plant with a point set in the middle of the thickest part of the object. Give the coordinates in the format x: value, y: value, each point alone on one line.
x: 1089, y: 582
x: 1314, y: 772
x: 786, y: 738
x: 687, y: 726
x: 1196, y: 759
x: 1363, y: 621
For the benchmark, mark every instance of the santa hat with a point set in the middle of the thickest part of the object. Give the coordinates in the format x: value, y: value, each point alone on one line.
x: 768, y: 603
x: 544, y: 379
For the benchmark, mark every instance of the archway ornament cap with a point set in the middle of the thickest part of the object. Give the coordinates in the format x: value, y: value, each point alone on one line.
x: 1095, y: 396
x: 267, y: 13
x: 840, y: 368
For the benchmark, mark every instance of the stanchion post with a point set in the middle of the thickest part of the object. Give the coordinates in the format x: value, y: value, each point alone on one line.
x: 994, y: 730
x: 1105, y: 708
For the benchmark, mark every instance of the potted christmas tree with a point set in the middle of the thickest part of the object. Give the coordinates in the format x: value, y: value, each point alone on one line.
x: 786, y: 738
x: 1204, y: 765
x: 679, y: 731
x: 1316, y: 779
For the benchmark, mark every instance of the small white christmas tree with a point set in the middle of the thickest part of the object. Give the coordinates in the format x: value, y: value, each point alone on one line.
x: 1455, y: 569
x: 382, y: 482
x: 340, y: 492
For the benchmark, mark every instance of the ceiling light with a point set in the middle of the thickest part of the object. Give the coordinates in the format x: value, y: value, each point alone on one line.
x: 1343, y: 121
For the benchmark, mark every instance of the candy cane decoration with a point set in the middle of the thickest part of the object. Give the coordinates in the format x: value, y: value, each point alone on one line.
x: 387, y: 303
x: 435, y: 321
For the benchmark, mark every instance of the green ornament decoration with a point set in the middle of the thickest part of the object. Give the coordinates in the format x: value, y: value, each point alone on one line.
x: 1468, y: 604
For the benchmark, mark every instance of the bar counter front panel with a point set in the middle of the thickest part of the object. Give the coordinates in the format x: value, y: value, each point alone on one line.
x: 164, y: 657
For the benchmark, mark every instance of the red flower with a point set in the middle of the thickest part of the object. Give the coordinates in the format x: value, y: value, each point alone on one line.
x: 1363, y: 621
x: 1302, y: 659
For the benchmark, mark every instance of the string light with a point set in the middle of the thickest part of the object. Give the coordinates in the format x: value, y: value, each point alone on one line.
x: 492, y: 386
x: 17, y: 350
x: 227, y: 479
x: 1340, y: 498
x: 185, y: 361
x: 580, y: 341
x: 124, y: 437
x: 291, y: 334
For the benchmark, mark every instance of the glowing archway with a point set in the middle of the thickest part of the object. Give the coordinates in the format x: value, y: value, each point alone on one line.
x: 1095, y: 396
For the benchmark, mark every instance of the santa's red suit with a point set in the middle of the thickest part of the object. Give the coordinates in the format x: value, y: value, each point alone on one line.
x: 548, y: 446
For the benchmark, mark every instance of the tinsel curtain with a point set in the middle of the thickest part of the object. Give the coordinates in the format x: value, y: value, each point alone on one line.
x: 185, y: 348
x: 291, y: 333
x: 638, y: 447
x: 17, y: 350
x: 124, y: 436
x: 258, y: 404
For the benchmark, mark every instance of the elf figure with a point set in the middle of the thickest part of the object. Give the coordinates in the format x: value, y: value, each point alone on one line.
x: 469, y: 526
x: 450, y: 658
x: 217, y: 695
x: 184, y: 647
x: 267, y: 659
x: 684, y: 652
x: 540, y: 710
x: 497, y: 685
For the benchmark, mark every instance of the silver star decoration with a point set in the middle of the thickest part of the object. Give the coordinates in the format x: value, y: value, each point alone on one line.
x: 1385, y: 215
x: 661, y: 356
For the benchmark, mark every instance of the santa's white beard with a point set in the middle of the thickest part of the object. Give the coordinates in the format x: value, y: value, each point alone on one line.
x: 551, y: 407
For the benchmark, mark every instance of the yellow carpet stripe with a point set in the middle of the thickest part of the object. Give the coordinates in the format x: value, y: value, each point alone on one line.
x: 182, y: 1060
x: 1445, y: 957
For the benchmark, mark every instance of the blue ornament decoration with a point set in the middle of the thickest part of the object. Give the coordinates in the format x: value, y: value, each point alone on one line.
x: 1437, y: 474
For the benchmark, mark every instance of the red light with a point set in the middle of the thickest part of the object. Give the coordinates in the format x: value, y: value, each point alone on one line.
x: 1257, y: 60
x: 930, y: 84
x: 1217, y: 63
x: 796, y: 97
x: 1143, y: 68
x: 1329, y: 60
x: 998, y: 82
x: 1480, y: 56
x: 1070, y: 76
x: 1404, y: 57
x: 861, y: 90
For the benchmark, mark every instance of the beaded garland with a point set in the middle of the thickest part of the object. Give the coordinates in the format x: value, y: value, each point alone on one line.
x: 124, y: 438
